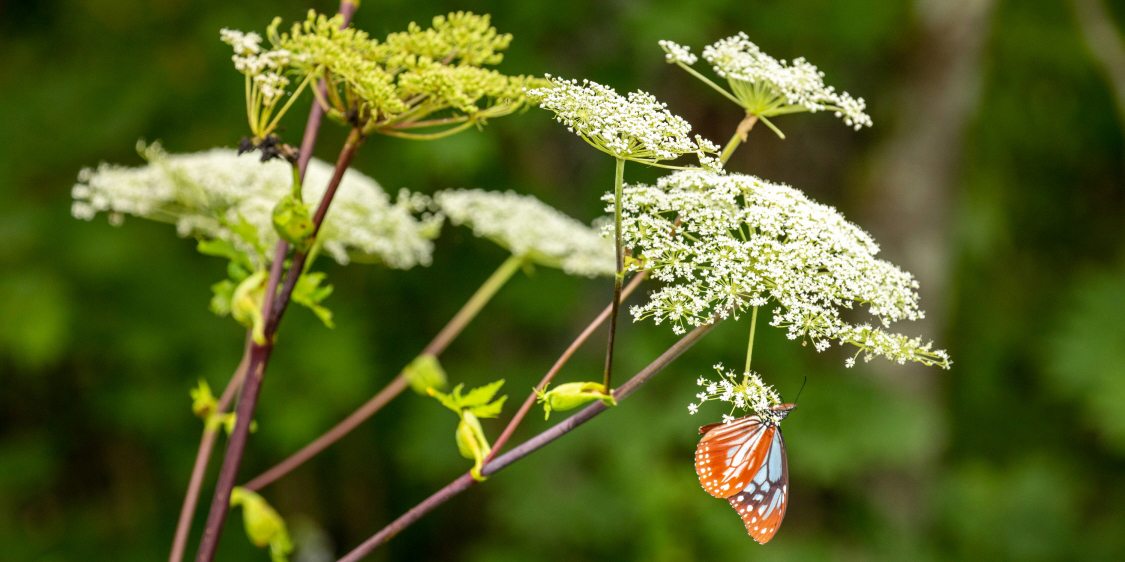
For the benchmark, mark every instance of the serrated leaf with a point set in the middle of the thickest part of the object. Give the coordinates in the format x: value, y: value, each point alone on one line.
x: 489, y: 410
x: 308, y: 292
x: 481, y: 395
x: 451, y: 400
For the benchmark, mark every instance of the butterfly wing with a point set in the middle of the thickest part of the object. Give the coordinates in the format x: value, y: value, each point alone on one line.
x: 730, y: 454
x: 762, y: 503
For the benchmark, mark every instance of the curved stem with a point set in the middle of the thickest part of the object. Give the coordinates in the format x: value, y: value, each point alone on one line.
x: 399, y: 383
x: 527, y: 404
x: 708, y: 81
x: 619, y: 276
x: 531, y: 445
x: 739, y: 137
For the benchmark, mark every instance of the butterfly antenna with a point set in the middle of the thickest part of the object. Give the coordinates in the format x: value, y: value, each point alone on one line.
x: 799, y: 391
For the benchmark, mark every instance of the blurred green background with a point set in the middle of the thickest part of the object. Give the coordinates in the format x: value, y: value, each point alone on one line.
x: 994, y: 172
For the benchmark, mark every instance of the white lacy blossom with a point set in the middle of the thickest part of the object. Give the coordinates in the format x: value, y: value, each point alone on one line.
x: 636, y: 127
x: 265, y: 71
x: 204, y: 193
x: 745, y: 392
x: 674, y: 52
x: 744, y: 242
x: 529, y: 228
x: 768, y: 87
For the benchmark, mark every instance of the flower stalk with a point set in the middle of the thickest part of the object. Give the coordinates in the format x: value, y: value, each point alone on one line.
x: 619, y: 275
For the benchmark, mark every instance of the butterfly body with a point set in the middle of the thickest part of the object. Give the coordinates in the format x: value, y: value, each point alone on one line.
x: 744, y: 462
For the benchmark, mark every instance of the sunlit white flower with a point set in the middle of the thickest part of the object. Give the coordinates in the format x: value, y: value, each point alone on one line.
x: 692, y: 408
x: 634, y: 127
x: 768, y: 87
x: 208, y: 194
x: 529, y: 228
x: 744, y: 242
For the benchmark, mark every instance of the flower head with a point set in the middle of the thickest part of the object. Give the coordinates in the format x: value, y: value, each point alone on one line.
x: 745, y: 392
x: 768, y: 87
x: 634, y: 127
x: 217, y: 194
x: 675, y: 52
x: 266, y: 81
x: 529, y: 228
x: 744, y: 242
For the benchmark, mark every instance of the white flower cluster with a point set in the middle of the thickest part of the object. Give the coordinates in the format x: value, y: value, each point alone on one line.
x: 209, y: 194
x: 265, y: 68
x: 674, y: 52
x: 636, y: 127
x: 529, y: 228
x: 768, y: 87
x: 743, y: 242
x: 748, y: 394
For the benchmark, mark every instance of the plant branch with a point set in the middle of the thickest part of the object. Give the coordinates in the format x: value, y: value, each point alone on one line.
x: 739, y: 137
x: 398, y: 384
x: 618, y: 277
x: 531, y: 445
x: 527, y: 404
x: 203, y: 456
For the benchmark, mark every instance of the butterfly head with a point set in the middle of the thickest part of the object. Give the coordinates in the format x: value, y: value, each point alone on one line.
x: 779, y: 412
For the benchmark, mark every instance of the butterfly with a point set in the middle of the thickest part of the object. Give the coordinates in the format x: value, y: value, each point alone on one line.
x: 744, y: 462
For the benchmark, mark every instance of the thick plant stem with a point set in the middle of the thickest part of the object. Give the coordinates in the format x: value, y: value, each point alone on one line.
x: 202, y: 457
x: 399, y: 383
x: 750, y: 346
x: 316, y: 114
x: 527, y: 404
x: 739, y: 137
x: 220, y: 504
x: 619, y: 276
x: 531, y: 445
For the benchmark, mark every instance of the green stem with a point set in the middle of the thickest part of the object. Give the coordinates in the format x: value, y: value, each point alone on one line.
x: 708, y: 81
x: 619, y: 276
x: 739, y: 137
x: 750, y: 346
x: 474, y: 305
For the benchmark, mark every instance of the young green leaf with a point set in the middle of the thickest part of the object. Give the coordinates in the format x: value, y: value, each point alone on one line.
x: 263, y: 525
x: 572, y: 395
x: 308, y: 293
x: 425, y: 372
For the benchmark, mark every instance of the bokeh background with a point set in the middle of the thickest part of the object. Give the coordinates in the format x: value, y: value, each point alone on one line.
x: 994, y: 172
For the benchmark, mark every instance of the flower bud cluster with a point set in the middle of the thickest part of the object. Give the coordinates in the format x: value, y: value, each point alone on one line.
x: 743, y: 242
x: 529, y: 228
x: 634, y: 127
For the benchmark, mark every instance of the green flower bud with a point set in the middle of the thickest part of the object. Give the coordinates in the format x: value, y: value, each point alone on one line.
x: 424, y: 372
x: 292, y: 222
x: 203, y: 403
x: 264, y: 526
x: 572, y: 395
x: 246, y: 304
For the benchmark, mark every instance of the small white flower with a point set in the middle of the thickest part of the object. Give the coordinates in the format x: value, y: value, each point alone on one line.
x: 675, y: 52
x: 767, y: 87
x: 692, y: 409
x: 723, y: 243
x: 205, y: 192
x: 636, y: 127
x: 727, y: 418
x: 849, y: 362
x: 529, y: 228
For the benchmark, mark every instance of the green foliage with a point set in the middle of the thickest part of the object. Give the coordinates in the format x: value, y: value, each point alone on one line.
x: 572, y: 395
x: 293, y: 223
x: 264, y: 526
x: 310, y: 291
x: 477, y: 403
x: 246, y: 304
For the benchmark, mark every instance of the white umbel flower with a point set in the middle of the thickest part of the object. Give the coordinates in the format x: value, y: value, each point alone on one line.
x: 529, y: 228
x: 674, y: 52
x: 744, y: 242
x: 767, y: 87
x: 205, y: 192
x: 634, y: 127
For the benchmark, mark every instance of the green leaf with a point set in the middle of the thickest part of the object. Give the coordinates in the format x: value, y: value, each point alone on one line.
x: 246, y: 304
x: 223, y: 293
x: 203, y: 403
x: 292, y: 222
x: 308, y: 293
x: 490, y: 410
x: 451, y: 400
x: 481, y: 395
x: 425, y: 372
x: 264, y: 526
